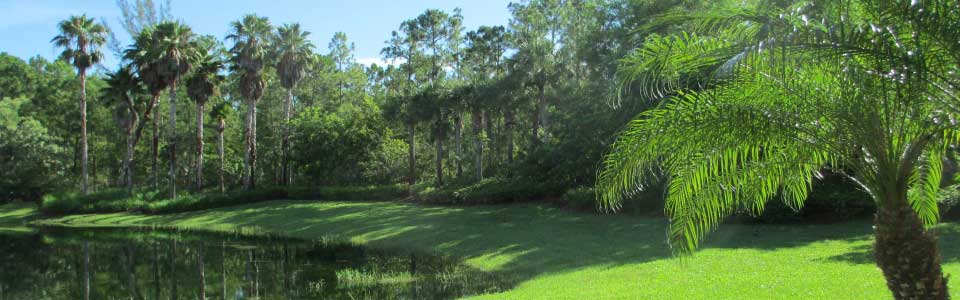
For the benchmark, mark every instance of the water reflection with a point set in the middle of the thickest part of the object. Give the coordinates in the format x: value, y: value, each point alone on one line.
x: 62, y: 263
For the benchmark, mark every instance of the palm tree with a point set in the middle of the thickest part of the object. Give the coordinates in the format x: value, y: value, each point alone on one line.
x: 203, y: 84
x: 81, y: 39
x: 764, y: 99
x: 220, y: 113
x: 123, y: 86
x: 177, y: 51
x: 144, y: 55
x: 293, y: 50
x: 248, y: 55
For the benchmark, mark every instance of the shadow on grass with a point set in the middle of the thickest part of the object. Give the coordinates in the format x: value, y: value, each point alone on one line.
x: 948, y: 235
x: 522, y: 240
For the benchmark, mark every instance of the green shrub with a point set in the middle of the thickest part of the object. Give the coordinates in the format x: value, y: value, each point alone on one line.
x: 351, y: 193
x: 581, y: 199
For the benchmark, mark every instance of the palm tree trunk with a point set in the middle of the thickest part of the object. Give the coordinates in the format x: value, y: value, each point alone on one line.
x: 477, y: 118
x: 220, y: 127
x: 248, y: 155
x: 253, y: 146
x: 131, y: 139
x: 907, y: 253
x: 199, y: 146
x: 83, y: 132
x: 156, y: 150
x: 412, y: 153
x: 458, y: 139
x: 511, y: 120
x: 173, y: 140
x: 285, y: 145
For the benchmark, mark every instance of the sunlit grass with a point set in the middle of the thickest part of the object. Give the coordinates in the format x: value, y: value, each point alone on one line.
x: 560, y: 255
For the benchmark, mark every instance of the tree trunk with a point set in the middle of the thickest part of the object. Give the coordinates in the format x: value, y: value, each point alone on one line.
x: 199, y: 147
x: 248, y: 157
x: 540, y: 116
x: 907, y: 253
x: 131, y: 140
x: 493, y: 149
x: 173, y: 140
x: 156, y: 150
x: 412, y: 153
x: 285, y: 144
x: 221, y: 125
x: 477, y: 118
x: 508, y: 134
x: 458, y: 139
x: 253, y: 147
x: 84, y: 178
x: 439, y: 144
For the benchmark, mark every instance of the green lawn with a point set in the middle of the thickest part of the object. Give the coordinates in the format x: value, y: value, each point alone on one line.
x: 562, y: 255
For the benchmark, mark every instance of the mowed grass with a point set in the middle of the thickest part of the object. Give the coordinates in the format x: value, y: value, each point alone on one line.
x: 561, y: 255
x: 14, y: 216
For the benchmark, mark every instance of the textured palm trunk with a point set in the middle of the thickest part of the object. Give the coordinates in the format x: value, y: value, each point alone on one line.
x: 253, y: 147
x: 477, y: 120
x: 173, y: 140
x: 199, y: 167
x: 131, y: 140
x: 221, y: 125
x: 907, y: 253
x: 412, y: 153
x: 248, y: 155
x: 285, y: 144
x: 156, y: 150
x: 511, y: 122
x: 84, y: 178
x: 458, y: 139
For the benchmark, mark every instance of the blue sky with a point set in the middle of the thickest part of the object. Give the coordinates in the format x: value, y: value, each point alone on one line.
x: 26, y: 26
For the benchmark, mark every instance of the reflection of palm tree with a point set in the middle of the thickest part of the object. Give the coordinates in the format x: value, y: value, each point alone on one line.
x: 203, y: 281
x: 173, y: 269
x: 223, y: 269
x: 86, y: 270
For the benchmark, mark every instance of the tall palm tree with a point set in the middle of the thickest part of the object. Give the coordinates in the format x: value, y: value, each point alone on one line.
x: 81, y: 39
x: 250, y: 36
x: 220, y: 113
x: 144, y: 56
x: 123, y: 87
x: 203, y: 84
x: 294, y: 51
x: 766, y: 98
x: 177, y: 51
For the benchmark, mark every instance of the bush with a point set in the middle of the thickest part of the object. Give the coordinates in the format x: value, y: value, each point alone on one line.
x: 351, y: 193
x: 489, y: 191
x: 581, y: 199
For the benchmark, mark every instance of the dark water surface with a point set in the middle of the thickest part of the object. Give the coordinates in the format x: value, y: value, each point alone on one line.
x: 60, y: 263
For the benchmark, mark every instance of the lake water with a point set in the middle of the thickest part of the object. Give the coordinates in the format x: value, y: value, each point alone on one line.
x: 60, y: 263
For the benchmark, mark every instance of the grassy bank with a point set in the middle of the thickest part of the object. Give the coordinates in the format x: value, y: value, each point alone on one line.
x: 561, y: 255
